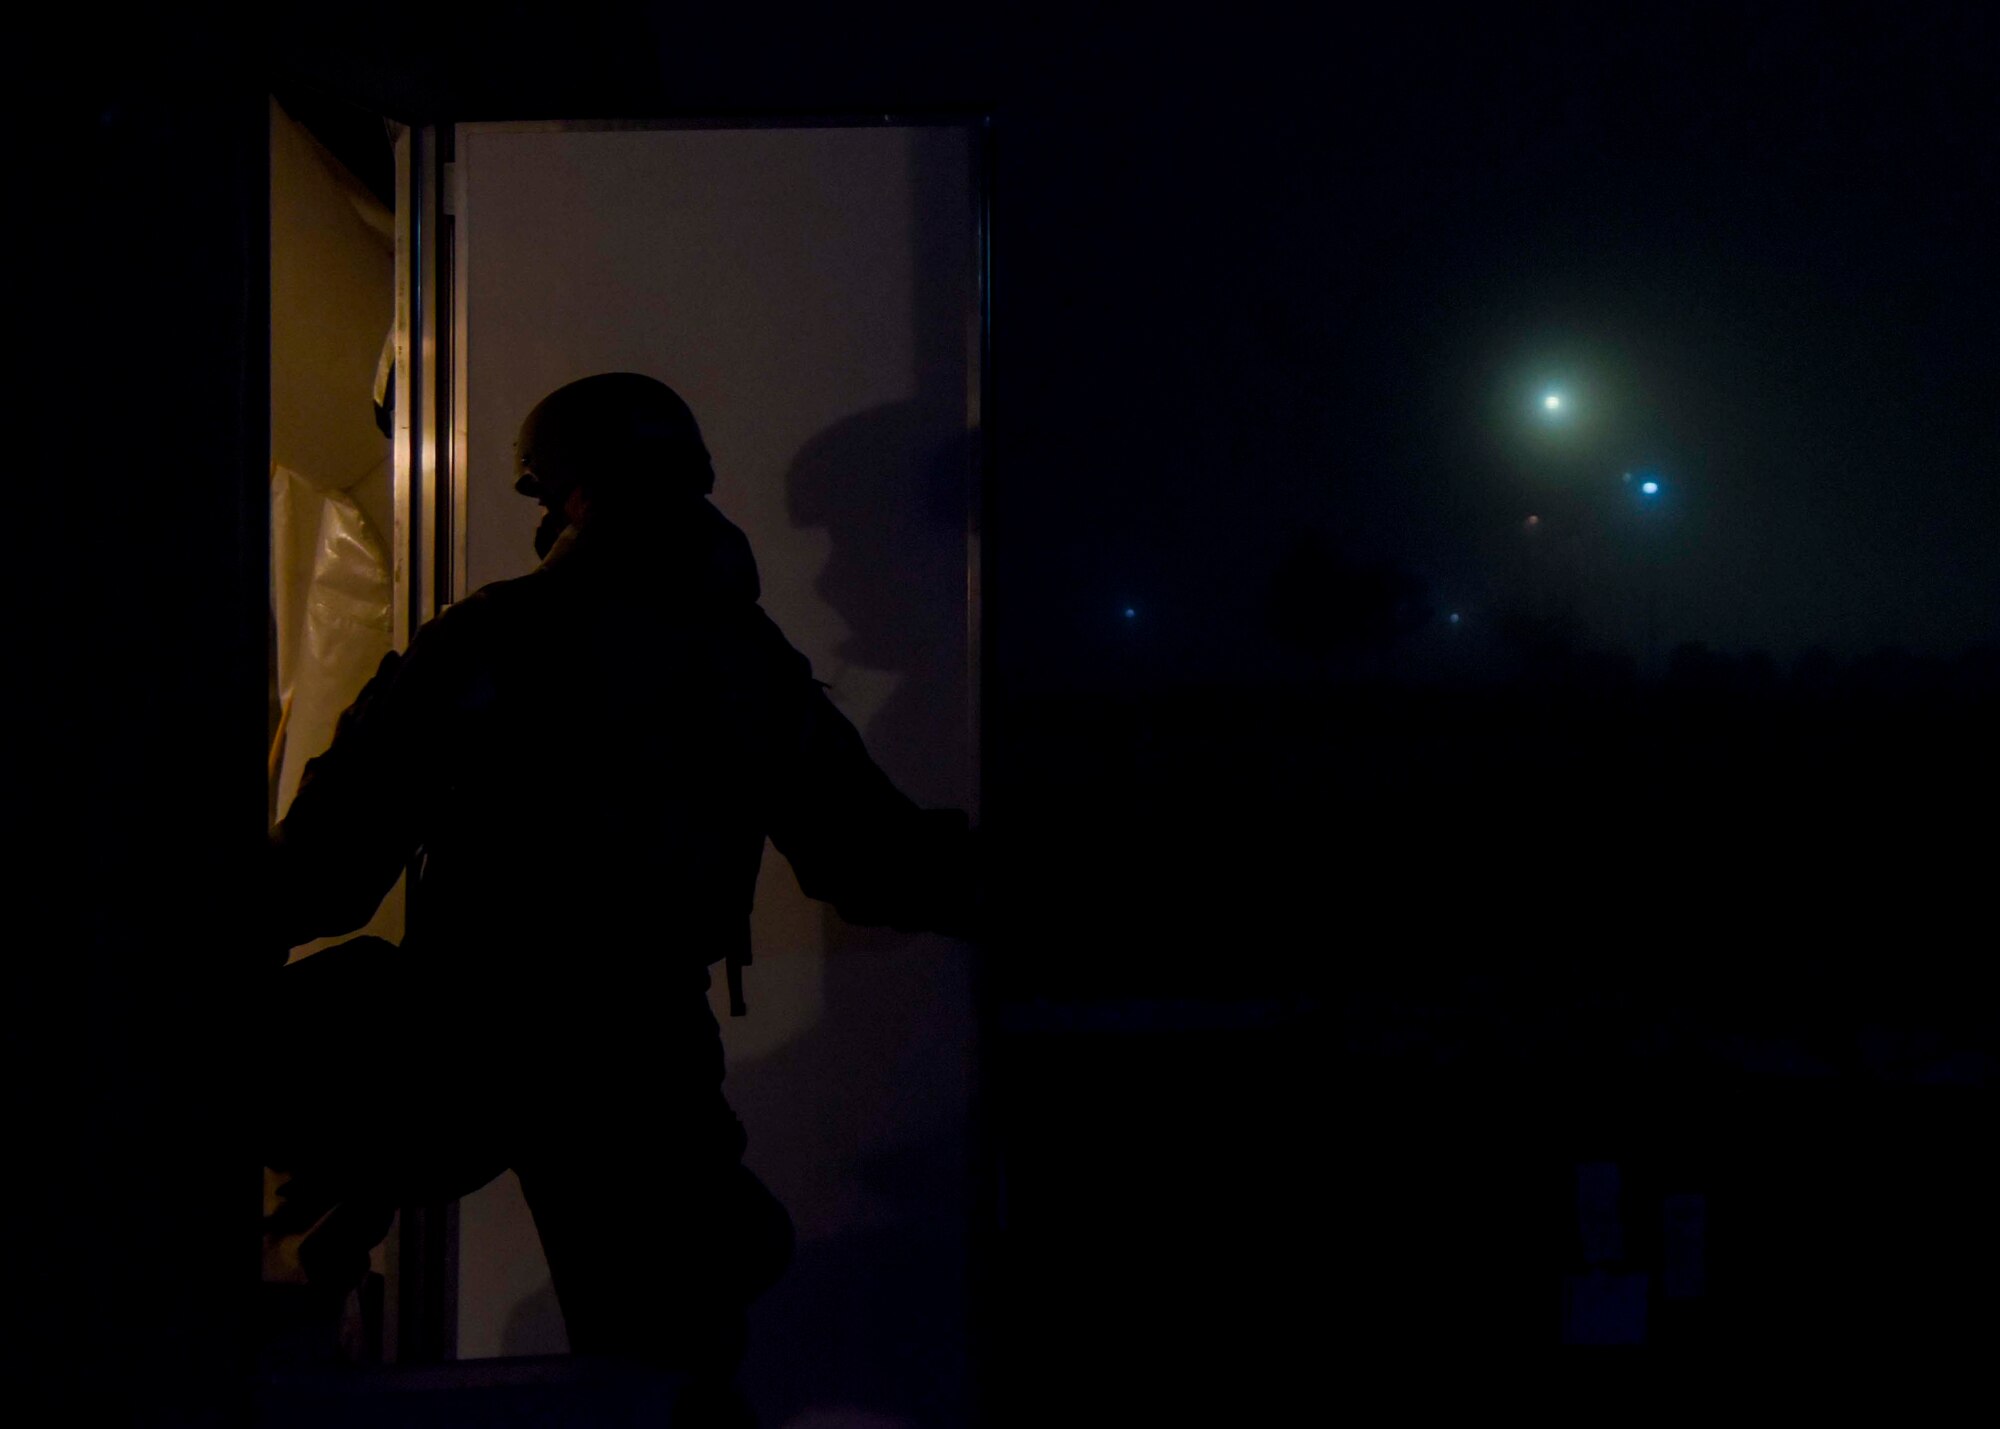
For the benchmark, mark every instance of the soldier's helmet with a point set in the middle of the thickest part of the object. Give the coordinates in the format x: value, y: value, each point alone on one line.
x: 625, y: 438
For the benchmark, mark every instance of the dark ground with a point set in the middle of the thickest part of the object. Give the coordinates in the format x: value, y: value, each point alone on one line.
x: 1406, y: 958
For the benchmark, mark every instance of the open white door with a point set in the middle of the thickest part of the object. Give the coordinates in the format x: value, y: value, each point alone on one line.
x: 815, y: 293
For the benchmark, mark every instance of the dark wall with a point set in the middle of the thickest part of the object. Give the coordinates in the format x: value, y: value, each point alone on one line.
x: 134, y: 768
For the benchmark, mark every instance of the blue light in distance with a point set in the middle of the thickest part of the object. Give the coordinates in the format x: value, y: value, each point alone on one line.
x: 1130, y: 613
x: 1453, y: 617
x: 1651, y: 488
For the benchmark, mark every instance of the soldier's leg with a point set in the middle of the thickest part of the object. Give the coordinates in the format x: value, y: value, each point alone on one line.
x: 656, y: 1253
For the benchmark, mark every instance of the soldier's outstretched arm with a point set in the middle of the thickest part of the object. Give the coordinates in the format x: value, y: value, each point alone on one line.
x: 858, y: 842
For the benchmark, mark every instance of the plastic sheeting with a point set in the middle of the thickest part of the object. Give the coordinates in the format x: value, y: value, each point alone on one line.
x: 332, y: 601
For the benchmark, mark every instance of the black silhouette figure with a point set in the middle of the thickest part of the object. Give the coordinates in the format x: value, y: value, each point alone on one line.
x: 583, y: 764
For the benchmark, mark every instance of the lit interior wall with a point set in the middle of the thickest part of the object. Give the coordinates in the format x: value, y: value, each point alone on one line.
x: 332, y: 284
x: 333, y: 256
x: 809, y: 292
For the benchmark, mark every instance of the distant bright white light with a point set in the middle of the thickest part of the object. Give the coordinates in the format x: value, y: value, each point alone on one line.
x: 1651, y: 488
x: 1553, y: 402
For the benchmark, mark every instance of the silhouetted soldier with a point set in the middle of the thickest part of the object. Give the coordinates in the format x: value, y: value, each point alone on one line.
x: 583, y: 764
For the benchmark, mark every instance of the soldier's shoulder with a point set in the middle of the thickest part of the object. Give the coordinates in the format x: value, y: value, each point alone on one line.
x: 776, y: 651
x: 490, y: 613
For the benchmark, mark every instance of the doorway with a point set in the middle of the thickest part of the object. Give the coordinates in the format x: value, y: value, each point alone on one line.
x: 816, y: 292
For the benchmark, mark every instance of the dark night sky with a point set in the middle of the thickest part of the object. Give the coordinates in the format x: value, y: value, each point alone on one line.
x: 1755, y: 247
x: 1260, y: 271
